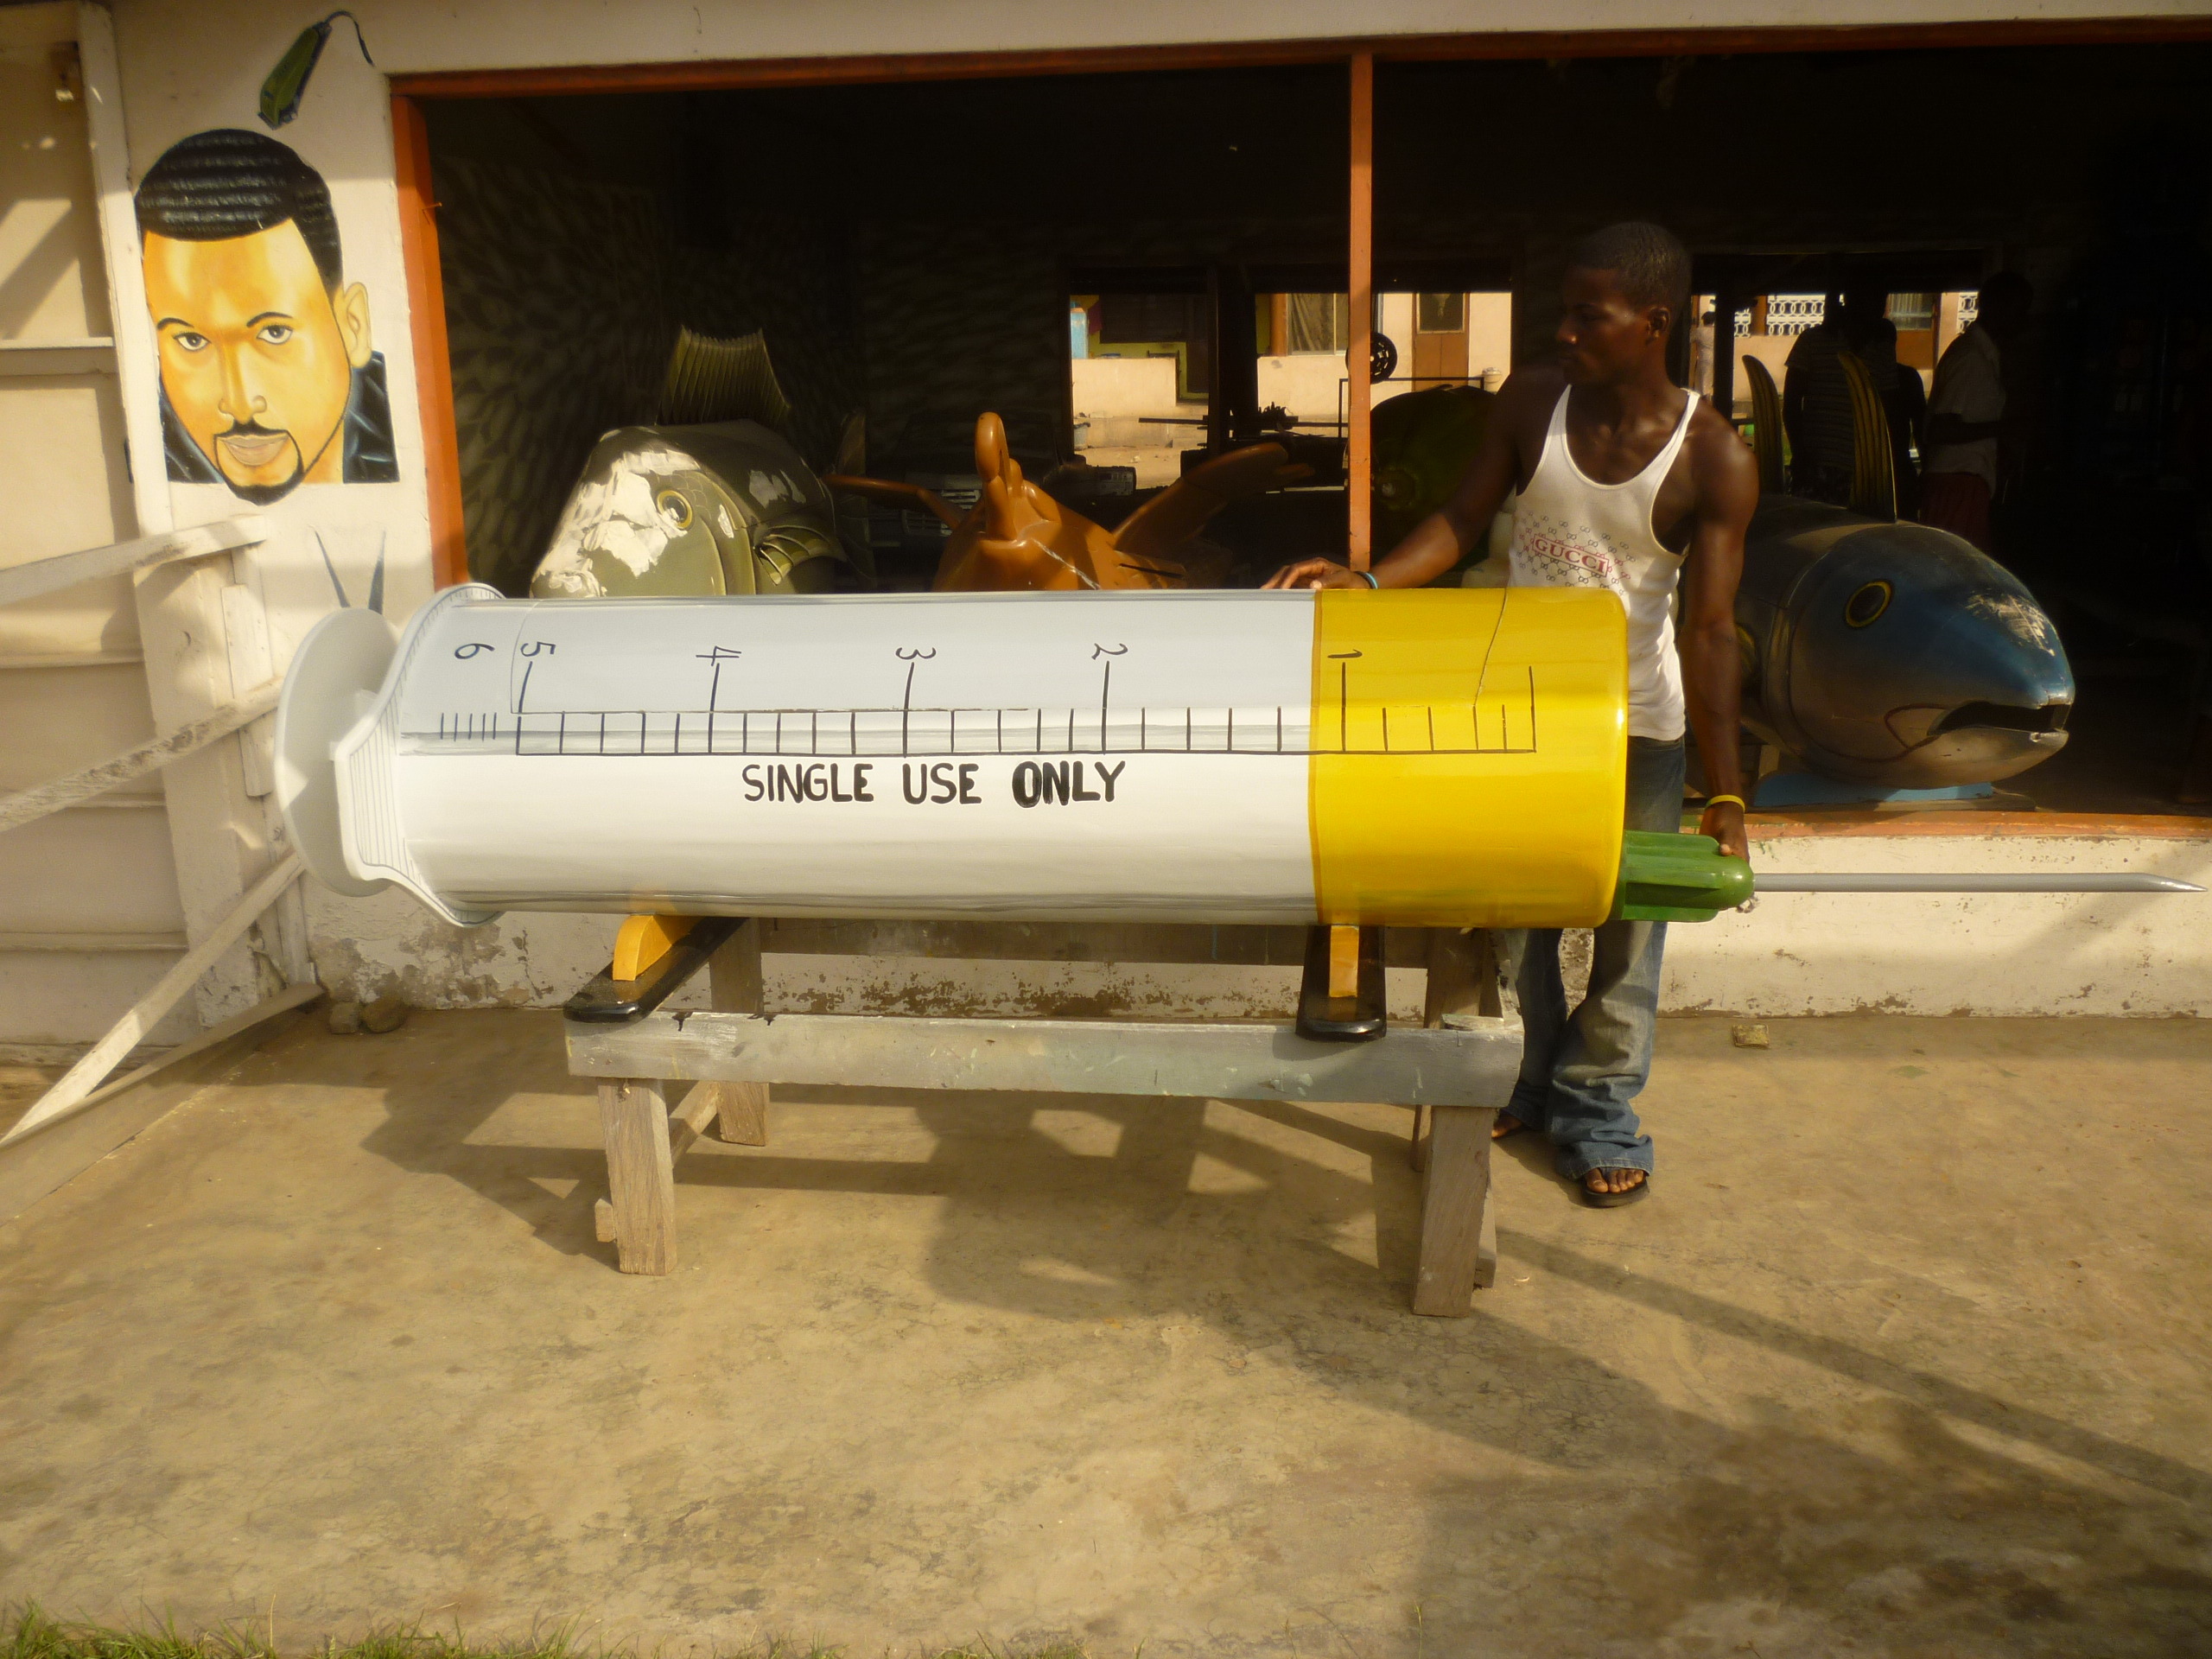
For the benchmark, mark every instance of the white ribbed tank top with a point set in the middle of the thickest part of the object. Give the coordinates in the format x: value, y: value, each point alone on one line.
x: 1570, y: 531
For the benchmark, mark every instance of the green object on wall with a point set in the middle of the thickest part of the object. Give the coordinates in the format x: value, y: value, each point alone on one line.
x: 288, y: 82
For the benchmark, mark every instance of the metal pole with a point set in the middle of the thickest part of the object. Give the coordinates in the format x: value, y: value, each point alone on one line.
x: 1856, y: 882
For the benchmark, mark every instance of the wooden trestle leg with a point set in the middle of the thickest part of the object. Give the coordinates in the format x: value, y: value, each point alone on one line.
x: 646, y: 1134
x: 1451, y: 1144
x: 640, y: 1174
x: 741, y: 1109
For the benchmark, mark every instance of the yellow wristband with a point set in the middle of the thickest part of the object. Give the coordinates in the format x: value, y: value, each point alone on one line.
x: 1732, y: 800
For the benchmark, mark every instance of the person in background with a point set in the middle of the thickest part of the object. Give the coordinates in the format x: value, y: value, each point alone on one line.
x: 1816, y: 399
x: 1701, y: 346
x: 1966, y: 413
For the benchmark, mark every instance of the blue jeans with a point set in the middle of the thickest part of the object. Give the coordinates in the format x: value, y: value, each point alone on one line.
x: 1580, y: 1072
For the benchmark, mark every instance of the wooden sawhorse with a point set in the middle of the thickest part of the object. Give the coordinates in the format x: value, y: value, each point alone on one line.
x: 1455, y: 1072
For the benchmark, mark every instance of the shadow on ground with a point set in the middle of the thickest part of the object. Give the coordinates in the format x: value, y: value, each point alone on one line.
x: 936, y: 1365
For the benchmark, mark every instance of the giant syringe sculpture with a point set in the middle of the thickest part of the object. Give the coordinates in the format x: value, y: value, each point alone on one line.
x: 1442, y: 757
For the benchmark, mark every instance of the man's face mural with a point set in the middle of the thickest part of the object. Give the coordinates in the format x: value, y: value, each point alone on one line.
x: 263, y: 346
x: 257, y: 355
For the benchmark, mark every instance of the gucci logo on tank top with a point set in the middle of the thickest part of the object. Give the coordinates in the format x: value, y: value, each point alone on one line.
x: 1571, y: 532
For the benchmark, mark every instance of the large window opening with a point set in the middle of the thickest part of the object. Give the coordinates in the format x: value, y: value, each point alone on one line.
x: 1135, y: 270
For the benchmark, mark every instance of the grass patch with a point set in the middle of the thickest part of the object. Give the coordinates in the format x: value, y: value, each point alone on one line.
x: 31, y: 1633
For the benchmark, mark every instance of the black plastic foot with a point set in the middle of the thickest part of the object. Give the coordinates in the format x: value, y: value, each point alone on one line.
x: 608, y: 1000
x: 1359, y: 1019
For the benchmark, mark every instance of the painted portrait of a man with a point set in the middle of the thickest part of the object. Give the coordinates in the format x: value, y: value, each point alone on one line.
x: 269, y: 379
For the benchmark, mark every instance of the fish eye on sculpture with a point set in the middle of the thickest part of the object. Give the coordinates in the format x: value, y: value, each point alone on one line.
x: 674, y: 508
x: 1867, y: 605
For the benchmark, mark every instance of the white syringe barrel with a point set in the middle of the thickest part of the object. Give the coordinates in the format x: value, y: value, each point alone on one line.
x: 1436, y: 758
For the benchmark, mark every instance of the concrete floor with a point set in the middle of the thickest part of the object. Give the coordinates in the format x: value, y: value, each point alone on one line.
x: 1908, y: 1355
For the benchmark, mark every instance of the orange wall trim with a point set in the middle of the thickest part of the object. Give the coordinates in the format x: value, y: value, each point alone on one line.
x: 1559, y: 43
x: 426, y: 306
x: 1359, y: 431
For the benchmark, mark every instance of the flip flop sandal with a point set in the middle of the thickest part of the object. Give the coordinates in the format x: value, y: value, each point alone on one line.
x: 1519, y: 1128
x: 1635, y: 1194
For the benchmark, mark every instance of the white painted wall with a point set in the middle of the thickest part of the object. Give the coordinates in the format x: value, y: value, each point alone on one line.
x: 90, y: 914
x: 1986, y: 953
x: 170, y: 70
x: 1489, y: 332
x: 1108, y: 388
x: 1307, y: 384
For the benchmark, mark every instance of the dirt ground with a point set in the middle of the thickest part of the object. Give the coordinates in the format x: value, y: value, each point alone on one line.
x: 1907, y: 1355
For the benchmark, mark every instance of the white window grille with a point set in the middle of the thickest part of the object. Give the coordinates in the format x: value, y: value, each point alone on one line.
x: 1793, y: 313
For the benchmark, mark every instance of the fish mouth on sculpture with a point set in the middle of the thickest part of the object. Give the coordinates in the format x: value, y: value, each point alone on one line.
x: 1972, y: 742
x: 1998, y: 726
x: 2048, y: 719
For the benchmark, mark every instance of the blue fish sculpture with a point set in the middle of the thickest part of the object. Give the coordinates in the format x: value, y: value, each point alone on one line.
x: 1893, y: 654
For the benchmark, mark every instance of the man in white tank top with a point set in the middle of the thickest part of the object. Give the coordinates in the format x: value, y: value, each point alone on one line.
x: 1628, y: 483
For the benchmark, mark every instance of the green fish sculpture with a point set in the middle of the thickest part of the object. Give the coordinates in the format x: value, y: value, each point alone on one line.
x: 727, y: 508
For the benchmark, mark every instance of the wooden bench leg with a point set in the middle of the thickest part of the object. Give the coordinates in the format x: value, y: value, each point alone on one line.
x: 741, y: 1109
x: 1456, y: 1231
x: 640, y: 1174
x: 740, y: 1112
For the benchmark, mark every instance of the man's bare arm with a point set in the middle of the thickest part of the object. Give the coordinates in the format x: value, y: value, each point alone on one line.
x: 1727, y: 481
x: 1442, y: 539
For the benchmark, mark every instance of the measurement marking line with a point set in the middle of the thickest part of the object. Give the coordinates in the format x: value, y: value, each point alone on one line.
x: 1504, y: 745
x: 463, y: 727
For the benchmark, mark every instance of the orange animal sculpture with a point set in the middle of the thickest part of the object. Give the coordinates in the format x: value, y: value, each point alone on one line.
x: 1017, y: 537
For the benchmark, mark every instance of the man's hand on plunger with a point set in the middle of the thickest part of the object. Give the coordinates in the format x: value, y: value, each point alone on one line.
x: 1314, y: 574
x: 1724, y: 821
